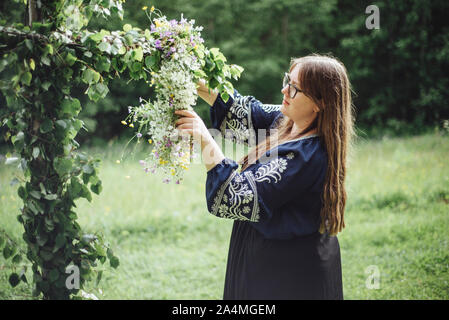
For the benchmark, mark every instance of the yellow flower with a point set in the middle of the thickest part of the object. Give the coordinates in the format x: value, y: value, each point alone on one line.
x: 152, y: 8
x: 158, y: 24
x: 172, y: 172
x: 131, y: 125
x: 117, y: 161
x: 150, y: 142
x: 123, y: 122
x: 144, y: 8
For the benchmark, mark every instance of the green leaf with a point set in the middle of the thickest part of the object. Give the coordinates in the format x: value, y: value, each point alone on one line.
x: 96, y: 188
x: 48, y: 49
x: 127, y: 27
x: 2, y: 241
x: 105, y: 47
x: 138, y: 54
x: 26, y: 78
x: 97, y: 37
x: 70, y: 59
x: 51, y: 197
x: 7, y: 252
x: 46, y: 60
x: 62, y: 165
x: 152, y: 62
x: 36, y: 152
x: 99, y: 275
x: 18, y: 141
x: 61, y: 123
x: 122, y: 50
x: 88, y: 169
x: 114, y: 262
x: 224, y: 96
x: 70, y: 107
x: 46, y: 126
x: 49, y: 224
x: 17, y: 259
x: 86, y: 193
x: 41, y: 239
x: 29, y: 44
x: 102, y: 89
x: 136, y: 67
x: 35, y: 194
x: 59, y: 241
x: 46, y: 85
x: 14, y: 279
x: 90, y: 76
x: 103, y: 64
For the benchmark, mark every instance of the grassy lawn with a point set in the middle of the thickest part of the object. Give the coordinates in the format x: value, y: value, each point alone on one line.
x: 170, y: 247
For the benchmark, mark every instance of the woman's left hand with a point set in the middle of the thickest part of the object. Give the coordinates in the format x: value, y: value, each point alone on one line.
x: 192, y: 124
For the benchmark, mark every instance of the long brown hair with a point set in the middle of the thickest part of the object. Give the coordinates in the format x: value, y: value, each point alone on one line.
x: 323, y: 79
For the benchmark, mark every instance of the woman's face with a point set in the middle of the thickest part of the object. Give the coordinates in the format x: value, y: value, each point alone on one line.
x: 301, y: 109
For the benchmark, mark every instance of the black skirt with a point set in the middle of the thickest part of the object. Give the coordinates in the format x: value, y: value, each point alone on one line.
x: 307, y: 267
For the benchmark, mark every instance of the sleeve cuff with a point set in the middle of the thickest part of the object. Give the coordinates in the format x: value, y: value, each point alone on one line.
x: 219, y: 109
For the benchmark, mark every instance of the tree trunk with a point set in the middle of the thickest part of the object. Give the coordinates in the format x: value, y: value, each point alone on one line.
x: 32, y: 12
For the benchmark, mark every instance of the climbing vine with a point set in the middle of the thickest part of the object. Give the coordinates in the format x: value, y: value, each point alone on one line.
x: 39, y: 64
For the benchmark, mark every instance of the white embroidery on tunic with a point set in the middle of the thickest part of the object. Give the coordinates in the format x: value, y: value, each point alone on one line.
x: 238, y: 194
x: 269, y: 108
x: 238, y: 120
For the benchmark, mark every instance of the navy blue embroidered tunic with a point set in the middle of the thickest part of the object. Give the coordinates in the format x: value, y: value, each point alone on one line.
x: 275, y: 251
x: 281, y: 195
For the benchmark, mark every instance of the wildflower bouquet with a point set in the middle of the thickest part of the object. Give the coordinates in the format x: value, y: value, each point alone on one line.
x: 177, y: 60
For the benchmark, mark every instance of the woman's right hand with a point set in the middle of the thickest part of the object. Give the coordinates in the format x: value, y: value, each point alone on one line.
x: 205, y: 93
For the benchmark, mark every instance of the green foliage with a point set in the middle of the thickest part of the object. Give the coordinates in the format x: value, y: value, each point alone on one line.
x: 38, y: 69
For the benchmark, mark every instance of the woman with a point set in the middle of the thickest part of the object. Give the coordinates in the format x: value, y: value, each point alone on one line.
x: 289, y: 208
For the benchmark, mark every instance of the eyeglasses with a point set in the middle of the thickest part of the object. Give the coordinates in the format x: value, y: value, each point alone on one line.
x: 286, y: 81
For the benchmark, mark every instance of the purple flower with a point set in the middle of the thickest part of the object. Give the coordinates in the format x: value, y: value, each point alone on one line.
x: 146, y: 170
x: 173, y: 22
x: 139, y: 135
x: 153, y: 28
x: 172, y: 49
x: 157, y: 43
x: 156, y: 155
x: 166, y: 180
x: 177, y: 181
x: 142, y: 162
